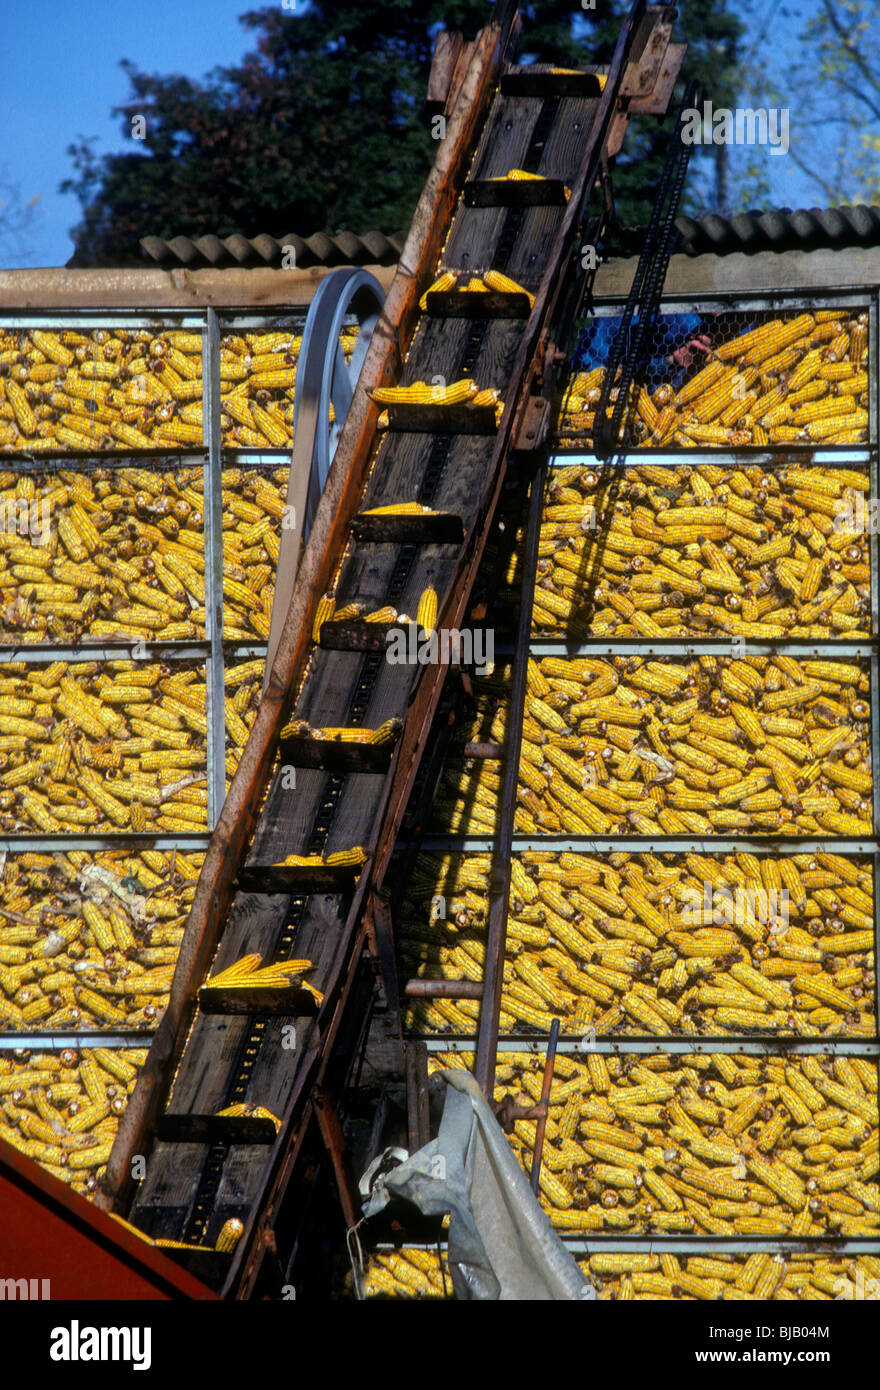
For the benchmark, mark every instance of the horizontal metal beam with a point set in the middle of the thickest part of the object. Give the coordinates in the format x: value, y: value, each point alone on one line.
x: 99, y: 318
x: 843, y: 298
x: 43, y: 844
x: 843, y: 456
x: 651, y: 844
x: 57, y: 1042
x: 682, y: 1244
x: 162, y: 458
x: 677, y: 1045
x: 255, y: 458
x: 651, y: 646
x: 44, y: 653
x: 721, y: 1245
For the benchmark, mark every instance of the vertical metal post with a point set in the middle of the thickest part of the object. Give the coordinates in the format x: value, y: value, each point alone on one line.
x: 546, y: 1086
x: 499, y: 882
x: 872, y: 542
x: 213, y: 486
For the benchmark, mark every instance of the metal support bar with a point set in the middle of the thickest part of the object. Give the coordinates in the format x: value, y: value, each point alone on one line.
x: 380, y: 936
x: 685, y: 1244
x: 676, y: 647
x: 651, y: 844
x: 327, y: 1117
x: 57, y: 1042
x: 130, y: 844
x: 721, y: 300
x: 829, y: 456
x: 674, y: 1045
x: 535, y: 1175
x: 443, y: 989
x: 102, y: 650
x: 418, y: 1118
x: 499, y: 878
x: 213, y: 487
x: 723, y: 1245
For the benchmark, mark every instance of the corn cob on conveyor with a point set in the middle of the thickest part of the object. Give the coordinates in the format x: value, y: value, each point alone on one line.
x: 270, y: 996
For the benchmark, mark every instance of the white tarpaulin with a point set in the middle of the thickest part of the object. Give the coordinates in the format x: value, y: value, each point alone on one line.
x: 501, y: 1244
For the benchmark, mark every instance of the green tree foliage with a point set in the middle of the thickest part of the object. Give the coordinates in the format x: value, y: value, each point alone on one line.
x: 321, y: 125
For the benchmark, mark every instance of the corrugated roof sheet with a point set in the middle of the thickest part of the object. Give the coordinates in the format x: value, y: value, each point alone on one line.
x: 806, y: 229
x: 345, y: 248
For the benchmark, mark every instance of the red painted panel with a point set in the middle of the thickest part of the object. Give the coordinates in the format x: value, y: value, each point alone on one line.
x: 49, y: 1232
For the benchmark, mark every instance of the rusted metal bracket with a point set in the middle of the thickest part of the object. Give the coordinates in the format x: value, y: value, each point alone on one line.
x: 329, y: 1124
x: 533, y: 426
x: 380, y: 943
x: 656, y: 103
x: 543, y: 1104
x: 418, y: 1115
x: 507, y: 1112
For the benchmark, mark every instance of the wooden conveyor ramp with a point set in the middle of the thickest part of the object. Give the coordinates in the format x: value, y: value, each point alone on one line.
x: 203, y: 1169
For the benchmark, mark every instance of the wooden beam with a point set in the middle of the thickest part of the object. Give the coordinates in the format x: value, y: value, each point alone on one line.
x: 447, y: 51
x: 56, y: 287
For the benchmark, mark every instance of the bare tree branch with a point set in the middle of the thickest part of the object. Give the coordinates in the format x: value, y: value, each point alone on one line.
x: 810, y: 171
x: 873, y: 79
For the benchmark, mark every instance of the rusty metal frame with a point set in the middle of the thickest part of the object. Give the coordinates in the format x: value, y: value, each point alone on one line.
x: 528, y: 366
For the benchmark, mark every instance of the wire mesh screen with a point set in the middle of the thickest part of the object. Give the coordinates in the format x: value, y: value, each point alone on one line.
x: 680, y: 551
x: 733, y: 379
x: 706, y: 1144
x: 118, y: 388
x: 89, y: 941
x: 627, y: 944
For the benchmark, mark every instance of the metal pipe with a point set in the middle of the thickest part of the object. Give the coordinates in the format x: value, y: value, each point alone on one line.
x: 484, y: 750
x: 443, y: 989
x: 544, y: 1102
x: 499, y: 885
x: 213, y: 490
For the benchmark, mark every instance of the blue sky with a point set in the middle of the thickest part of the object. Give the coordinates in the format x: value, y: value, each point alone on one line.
x: 60, y: 78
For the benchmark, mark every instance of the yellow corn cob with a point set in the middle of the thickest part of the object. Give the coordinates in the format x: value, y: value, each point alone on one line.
x: 496, y: 281
x: 230, y: 1234
x: 51, y: 345
x: 398, y: 509
x: 427, y: 611
x: 94, y: 1157
x: 357, y: 856
x: 25, y: 417
x: 387, y: 732
x: 446, y: 281
x: 131, y: 437
x: 326, y: 608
